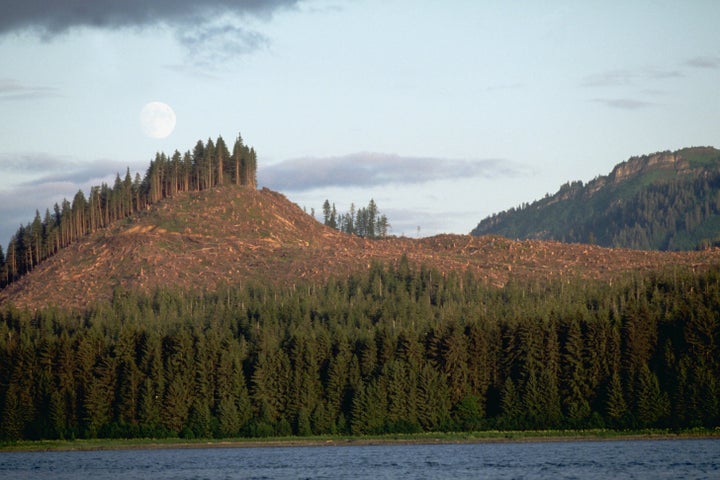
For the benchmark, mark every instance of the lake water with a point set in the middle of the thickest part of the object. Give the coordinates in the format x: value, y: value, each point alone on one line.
x: 655, y: 459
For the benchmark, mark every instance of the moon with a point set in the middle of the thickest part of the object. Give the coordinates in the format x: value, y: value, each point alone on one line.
x: 157, y: 120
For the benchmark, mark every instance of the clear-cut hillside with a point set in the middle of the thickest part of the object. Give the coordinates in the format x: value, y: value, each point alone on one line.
x: 232, y: 235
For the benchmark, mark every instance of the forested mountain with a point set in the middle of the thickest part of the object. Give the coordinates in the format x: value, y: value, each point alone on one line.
x: 663, y: 201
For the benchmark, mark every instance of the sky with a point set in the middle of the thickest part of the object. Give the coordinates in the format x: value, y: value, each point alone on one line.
x: 442, y: 112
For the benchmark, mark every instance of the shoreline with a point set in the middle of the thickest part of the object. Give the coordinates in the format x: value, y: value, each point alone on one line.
x: 387, y: 440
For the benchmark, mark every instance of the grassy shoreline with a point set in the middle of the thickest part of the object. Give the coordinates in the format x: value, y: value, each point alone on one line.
x: 395, y: 439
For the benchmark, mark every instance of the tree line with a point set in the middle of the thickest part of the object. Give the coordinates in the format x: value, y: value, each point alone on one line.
x: 398, y: 348
x: 366, y: 222
x: 207, y: 165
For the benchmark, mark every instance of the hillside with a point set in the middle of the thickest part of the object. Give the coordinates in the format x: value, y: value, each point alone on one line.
x: 663, y: 201
x: 197, y: 241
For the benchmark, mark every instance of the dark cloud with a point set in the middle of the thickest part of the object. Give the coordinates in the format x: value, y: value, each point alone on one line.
x: 212, y: 31
x: 213, y: 43
x: 367, y: 169
x: 624, y: 103
x: 12, y: 90
x: 56, y: 16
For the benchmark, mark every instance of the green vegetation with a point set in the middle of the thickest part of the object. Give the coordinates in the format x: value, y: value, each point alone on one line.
x: 486, y: 436
x: 209, y: 164
x: 666, y: 201
x: 398, y: 349
x: 366, y: 222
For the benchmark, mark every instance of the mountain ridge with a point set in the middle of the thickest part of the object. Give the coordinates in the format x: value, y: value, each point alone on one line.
x: 647, y: 202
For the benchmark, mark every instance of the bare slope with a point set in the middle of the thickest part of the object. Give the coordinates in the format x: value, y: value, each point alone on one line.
x: 230, y: 235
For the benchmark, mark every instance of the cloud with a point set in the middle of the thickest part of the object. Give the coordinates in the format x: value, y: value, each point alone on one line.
x: 623, y: 103
x: 12, y: 90
x: 46, y: 180
x: 217, y: 42
x: 43, y: 169
x: 31, y: 162
x: 216, y: 28
x: 19, y: 204
x: 624, y: 77
x: 369, y: 169
x: 58, y: 16
x: 709, y: 62
x: 629, y: 80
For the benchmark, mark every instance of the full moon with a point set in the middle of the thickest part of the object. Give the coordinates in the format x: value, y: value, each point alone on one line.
x: 157, y: 120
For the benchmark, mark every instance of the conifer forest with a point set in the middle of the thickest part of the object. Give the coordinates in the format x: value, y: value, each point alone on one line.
x: 397, y: 348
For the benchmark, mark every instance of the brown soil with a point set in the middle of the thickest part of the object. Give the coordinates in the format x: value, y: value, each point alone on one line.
x: 231, y: 235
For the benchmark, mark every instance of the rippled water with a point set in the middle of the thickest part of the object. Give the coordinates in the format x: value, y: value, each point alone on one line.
x: 655, y: 459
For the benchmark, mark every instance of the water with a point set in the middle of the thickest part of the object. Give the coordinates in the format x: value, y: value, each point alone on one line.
x: 656, y: 459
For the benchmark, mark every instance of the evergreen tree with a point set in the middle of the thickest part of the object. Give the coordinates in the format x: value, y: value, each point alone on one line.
x: 652, y: 404
x: 326, y: 212
x: 616, y: 408
x: 391, y: 349
x: 364, y: 222
x: 222, y: 154
x: 574, y: 391
x: 511, y: 405
x: 433, y: 399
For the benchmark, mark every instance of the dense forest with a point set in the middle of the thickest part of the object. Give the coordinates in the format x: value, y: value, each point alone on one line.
x: 208, y: 165
x: 365, y: 222
x: 666, y: 206
x: 397, y: 348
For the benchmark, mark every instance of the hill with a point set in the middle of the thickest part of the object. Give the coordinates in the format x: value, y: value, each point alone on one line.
x: 234, y: 234
x: 193, y: 306
x: 662, y: 201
